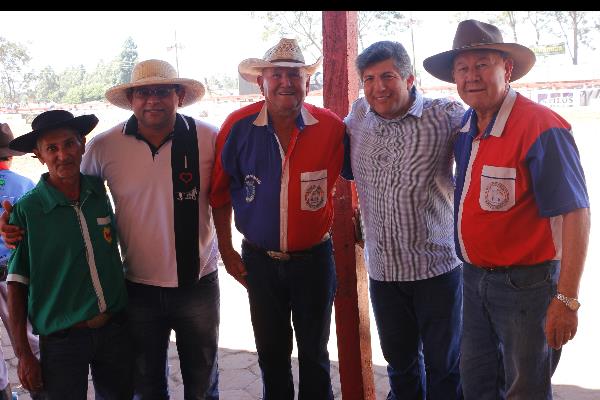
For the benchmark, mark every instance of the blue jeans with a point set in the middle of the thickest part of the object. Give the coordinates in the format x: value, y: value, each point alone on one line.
x: 504, y: 350
x: 419, y: 325
x: 302, y: 288
x: 193, y: 313
x: 66, y: 357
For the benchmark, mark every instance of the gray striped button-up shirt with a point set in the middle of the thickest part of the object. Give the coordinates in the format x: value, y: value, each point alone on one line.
x: 403, y: 173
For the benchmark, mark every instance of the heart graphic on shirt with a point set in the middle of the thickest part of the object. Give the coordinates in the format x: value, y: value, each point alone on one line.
x: 186, y: 177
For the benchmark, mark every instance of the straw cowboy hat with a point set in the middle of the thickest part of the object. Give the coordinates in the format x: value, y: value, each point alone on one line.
x: 6, y: 136
x: 286, y: 53
x: 50, y: 120
x: 476, y: 35
x: 154, y: 72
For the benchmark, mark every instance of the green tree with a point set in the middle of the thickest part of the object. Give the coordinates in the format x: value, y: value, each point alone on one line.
x: 540, y: 20
x: 13, y: 58
x: 508, y: 19
x: 46, y: 86
x: 106, y: 74
x: 77, y: 85
x: 74, y: 95
x: 127, y: 59
x: 71, y: 81
x: 306, y: 26
x: 390, y: 22
x: 575, y: 28
x: 222, y: 82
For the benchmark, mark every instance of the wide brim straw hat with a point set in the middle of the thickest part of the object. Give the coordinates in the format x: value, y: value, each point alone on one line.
x: 155, y: 72
x: 50, y: 120
x: 286, y: 53
x: 477, y: 35
x: 6, y: 136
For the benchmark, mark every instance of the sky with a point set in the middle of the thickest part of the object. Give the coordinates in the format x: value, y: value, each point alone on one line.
x: 213, y: 42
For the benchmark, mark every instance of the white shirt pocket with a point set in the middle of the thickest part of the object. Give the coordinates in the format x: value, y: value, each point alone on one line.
x: 497, y: 188
x: 313, y: 189
x: 103, y: 220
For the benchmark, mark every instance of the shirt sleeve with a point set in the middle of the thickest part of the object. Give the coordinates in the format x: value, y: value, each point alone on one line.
x: 90, y: 163
x: 556, y: 173
x: 456, y: 112
x: 18, y: 265
x: 219, y: 188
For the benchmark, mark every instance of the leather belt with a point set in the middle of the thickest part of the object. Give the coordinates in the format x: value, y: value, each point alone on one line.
x: 513, y: 267
x: 278, y: 255
x: 94, y: 323
x: 285, y: 256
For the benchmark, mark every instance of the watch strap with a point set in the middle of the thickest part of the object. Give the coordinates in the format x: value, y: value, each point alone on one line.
x: 565, y: 299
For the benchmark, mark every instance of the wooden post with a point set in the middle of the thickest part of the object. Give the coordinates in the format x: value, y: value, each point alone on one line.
x: 340, y: 89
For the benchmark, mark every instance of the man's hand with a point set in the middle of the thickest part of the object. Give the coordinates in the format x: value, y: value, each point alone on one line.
x: 11, y: 234
x: 30, y: 373
x: 235, y: 266
x: 561, y: 324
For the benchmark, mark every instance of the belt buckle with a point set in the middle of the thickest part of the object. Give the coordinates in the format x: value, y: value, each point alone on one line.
x: 277, y: 255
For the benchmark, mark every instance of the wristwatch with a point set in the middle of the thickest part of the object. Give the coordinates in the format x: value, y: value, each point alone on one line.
x: 570, y: 302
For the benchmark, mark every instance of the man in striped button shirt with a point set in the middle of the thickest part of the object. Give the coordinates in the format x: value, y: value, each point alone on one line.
x: 401, y: 160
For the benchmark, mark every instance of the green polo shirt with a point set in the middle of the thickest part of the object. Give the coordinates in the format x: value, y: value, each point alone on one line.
x: 68, y: 257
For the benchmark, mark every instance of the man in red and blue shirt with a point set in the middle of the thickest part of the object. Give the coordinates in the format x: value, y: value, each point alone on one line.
x: 522, y: 220
x: 277, y: 163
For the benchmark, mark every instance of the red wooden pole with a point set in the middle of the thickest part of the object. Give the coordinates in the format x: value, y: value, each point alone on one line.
x: 340, y: 88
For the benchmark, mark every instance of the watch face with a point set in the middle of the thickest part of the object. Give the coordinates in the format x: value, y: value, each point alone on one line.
x: 574, y: 304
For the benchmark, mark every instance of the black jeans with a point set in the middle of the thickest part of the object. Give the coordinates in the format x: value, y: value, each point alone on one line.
x: 66, y: 357
x: 303, y: 288
x: 193, y: 313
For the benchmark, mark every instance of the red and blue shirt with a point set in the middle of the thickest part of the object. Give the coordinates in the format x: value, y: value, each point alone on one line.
x: 282, y: 201
x: 513, y: 184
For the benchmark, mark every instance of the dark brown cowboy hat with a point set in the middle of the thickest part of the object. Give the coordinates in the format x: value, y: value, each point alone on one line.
x: 49, y: 120
x: 6, y: 136
x: 477, y: 35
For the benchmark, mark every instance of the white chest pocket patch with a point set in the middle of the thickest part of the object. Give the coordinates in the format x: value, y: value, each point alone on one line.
x: 103, y: 220
x: 313, y: 189
x: 497, y: 188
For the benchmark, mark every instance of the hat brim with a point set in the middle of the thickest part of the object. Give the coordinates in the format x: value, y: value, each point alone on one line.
x: 440, y: 65
x: 251, y: 68
x: 6, y: 152
x: 194, y: 90
x: 83, y: 124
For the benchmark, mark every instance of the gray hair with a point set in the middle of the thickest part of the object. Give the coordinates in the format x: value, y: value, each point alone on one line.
x: 384, y: 50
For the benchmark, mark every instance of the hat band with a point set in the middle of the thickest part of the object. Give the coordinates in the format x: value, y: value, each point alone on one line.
x: 286, y: 60
x: 476, y: 44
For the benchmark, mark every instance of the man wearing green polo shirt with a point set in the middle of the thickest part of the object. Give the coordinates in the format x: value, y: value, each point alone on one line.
x: 66, y: 273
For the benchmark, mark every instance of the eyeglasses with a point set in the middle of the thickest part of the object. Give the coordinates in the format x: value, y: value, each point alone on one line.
x: 160, y: 92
